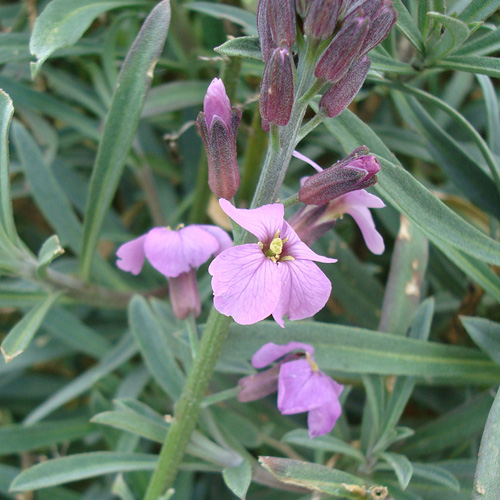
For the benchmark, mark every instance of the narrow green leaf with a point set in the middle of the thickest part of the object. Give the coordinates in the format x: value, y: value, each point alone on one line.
x: 326, y: 442
x: 238, y: 478
x: 78, y: 467
x: 121, y: 489
x: 355, y: 350
x: 492, y: 112
x: 401, y: 466
x: 482, y: 45
x: 154, y: 347
x: 403, y: 289
x: 478, y: 10
x: 384, y: 63
x: 316, y: 477
x: 485, y: 333
x: 473, y: 64
x: 236, y: 15
x: 19, y: 438
x: 411, y: 198
x: 18, y: 339
x: 455, y: 34
x: 50, y: 250
x: 462, y: 169
x: 121, y: 124
x: 14, y: 47
x: 408, y: 27
x: 243, y: 46
x: 436, y: 474
x: 63, y: 22
x: 120, y: 353
x: 6, y: 216
x: 487, y: 477
x: 45, y: 189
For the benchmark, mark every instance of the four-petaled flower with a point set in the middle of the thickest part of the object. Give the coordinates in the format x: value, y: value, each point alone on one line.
x: 175, y: 254
x: 274, y: 276
x: 302, y: 386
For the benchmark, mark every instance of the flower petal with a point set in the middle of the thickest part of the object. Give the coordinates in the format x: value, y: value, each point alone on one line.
x: 220, y: 235
x: 363, y: 198
x: 322, y: 420
x: 262, y: 222
x: 131, y: 255
x: 304, y: 290
x: 271, y: 352
x: 299, y: 250
x: 372, y: 237
x: 175, y: 252
x: 258, y: 386
x: 246, y: 283
x: 301, y: 389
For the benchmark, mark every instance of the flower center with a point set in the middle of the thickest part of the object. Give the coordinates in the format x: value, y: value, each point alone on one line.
x: 275, y: 248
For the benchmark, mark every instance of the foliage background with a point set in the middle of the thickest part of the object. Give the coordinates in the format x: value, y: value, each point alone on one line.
x: 103, y: 358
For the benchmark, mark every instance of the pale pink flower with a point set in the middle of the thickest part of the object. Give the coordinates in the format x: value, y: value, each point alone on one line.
x: 175, y: 254
x: 274, y: 276
x: 302, y: 386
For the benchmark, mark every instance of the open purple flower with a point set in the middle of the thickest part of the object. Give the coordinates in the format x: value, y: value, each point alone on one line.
x: 302, y: 386
x: 175, y: 254
x: 274, y: 276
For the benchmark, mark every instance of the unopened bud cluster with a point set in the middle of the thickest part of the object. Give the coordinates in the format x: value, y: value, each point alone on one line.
x: 354, y: 27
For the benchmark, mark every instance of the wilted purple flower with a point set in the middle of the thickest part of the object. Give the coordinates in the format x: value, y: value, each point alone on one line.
x: 340, y: 94
x: 175, y: 254
x: 321, y: 18
x: 218, y: 125
x: 302, y: 386
x: 356, y: 171
x: 311, y: 222
x: 276, y: 88
x: 274, y: 276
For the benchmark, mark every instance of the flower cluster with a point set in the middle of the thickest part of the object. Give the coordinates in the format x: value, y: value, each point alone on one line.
x: 275, y: 276
x: 302, y: 386
x: 353, y: 27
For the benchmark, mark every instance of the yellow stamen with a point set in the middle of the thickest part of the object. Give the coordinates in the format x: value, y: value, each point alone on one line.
x: 310, y: 360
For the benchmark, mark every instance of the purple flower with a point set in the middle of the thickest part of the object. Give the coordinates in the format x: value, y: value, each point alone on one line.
x: 311, y: 222
x: 302, y: 386
x: 175, y: 254
x: 218, y: 125
x: 274, y: 276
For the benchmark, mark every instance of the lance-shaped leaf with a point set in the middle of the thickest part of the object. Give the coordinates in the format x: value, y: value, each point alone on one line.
x: 121, y: 124
x: 485, y: 333
x: 63, y: 22
x: 23, y: 332
x: 50, y: 250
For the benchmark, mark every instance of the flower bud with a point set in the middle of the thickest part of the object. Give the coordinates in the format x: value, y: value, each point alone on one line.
x: 282, y: 22
x: 184, y: 295
x: 321, y: 18
x: 267, y: 44
x: 340, y: 94
x: 352, y: 173
x: 343, y: 49
x: 381, y: 23
x: 276, y: 90
x: 218, y: 125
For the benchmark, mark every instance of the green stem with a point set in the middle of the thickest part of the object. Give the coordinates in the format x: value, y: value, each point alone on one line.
x: 310, y: 125
x: 188, y: 408
x: 192, y: 333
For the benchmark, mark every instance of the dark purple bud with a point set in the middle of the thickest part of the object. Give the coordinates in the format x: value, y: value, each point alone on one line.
x: 267, y: 44
x: 184, y: 295
x: 321, y: 18
x: 353, y: 173
x: 381, y: 24
x: 276, y: 89
x: 282, y: 22
x: 343, y: 50
x: 341, y: 94
x: 218, y: 125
